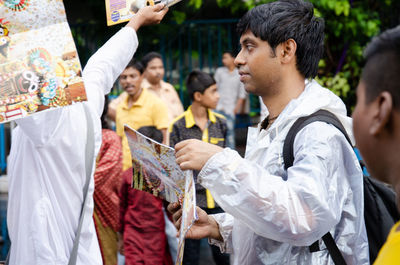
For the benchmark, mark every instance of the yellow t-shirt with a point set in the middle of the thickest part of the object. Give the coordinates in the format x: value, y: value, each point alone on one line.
x: 390, y: 252
x: 148, y: 110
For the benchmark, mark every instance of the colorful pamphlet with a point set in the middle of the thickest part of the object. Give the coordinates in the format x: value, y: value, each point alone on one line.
x: 156, y: 171
x: 119, y: 11
x: 39, y: 65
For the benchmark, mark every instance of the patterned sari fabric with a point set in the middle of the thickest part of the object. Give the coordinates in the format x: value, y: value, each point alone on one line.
x: 108, y: 179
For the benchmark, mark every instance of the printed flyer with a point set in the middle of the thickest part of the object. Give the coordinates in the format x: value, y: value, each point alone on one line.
x: 189, y: 214
x: 39, y: 65
x: 119, y: 11
x: 156, y: 171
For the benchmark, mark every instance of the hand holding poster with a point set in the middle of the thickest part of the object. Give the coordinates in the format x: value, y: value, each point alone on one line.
x: 156, y: 171
x: 39, y: 65
x: 119, y: 11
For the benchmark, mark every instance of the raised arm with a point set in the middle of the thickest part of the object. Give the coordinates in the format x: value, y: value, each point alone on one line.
x: 99, y: 75
x: 104, y: 67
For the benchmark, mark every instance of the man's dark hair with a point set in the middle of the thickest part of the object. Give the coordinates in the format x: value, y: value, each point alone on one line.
x: 231, y: 53
x: 198, y: 81
x: 280, y: 21
x: 382, y: 67
x: 151, y: 132
x: 149, y: 57
x: 135, y: 64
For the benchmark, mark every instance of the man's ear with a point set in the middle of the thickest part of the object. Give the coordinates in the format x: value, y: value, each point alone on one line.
x: 382, y: 113
x: 197, y: 96
x: 288, y: 51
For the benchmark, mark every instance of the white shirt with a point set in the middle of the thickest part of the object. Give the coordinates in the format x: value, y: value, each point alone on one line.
x: 230, y: 89
x: 273, y: 221
x: 47, y: 168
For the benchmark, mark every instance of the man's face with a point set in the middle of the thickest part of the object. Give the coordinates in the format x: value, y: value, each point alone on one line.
x: 131, y: 80
x: 365, y: 141
x: 228, y: 60
x: 210, y: 97
x: 259, y: 68
x: 155, y: 71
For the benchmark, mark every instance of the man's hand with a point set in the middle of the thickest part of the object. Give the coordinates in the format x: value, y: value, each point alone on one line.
x: 148, y: 15
x: 193, y: 154
x: 205, y: 226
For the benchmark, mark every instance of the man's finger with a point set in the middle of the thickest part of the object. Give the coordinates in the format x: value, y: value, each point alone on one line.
x: 178, y: 223
x: 177, y: 215
x: 181, y: 157
x: 186, y: 144
x: 173, y: 207
x: 179, y: 146
x: 159, y: 7
x: 186, y: 165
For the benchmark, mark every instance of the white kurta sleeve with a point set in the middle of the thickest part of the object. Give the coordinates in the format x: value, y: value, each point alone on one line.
x: 104, y: 67
x: 298, y: 211
x: 99, y: 75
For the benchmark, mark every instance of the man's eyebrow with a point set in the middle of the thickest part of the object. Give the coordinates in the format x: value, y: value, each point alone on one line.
x: 247, y: 40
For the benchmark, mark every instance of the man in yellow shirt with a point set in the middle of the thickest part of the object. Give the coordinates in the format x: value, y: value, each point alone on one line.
x: 140, y: 108
x: 153, y: 81
x: 376, y: 121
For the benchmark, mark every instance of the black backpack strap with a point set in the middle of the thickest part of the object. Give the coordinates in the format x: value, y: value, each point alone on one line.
x: 333, y: 249
x: 320, y: 115
x: 288, y: 158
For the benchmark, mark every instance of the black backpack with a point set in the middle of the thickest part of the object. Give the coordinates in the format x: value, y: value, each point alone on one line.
x: 380, y: 211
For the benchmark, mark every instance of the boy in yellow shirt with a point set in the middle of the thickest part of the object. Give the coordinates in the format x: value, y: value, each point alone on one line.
x: 376, y: 121
x: 200, y: 122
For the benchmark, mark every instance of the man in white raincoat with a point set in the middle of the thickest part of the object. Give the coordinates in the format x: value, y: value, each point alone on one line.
x: 272, y: 215
x: 47, y: 163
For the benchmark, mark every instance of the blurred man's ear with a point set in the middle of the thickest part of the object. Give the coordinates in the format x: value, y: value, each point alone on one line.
x: 197, y: 96
x: 382, y: 112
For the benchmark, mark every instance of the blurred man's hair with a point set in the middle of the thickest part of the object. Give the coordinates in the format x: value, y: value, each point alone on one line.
x: 135, y: 64
x: 382, y: 67
x: 280, y: 21
x: 151, y: 132
x: 198, y: 81
x: 149, y: 57
x: 231, y: 53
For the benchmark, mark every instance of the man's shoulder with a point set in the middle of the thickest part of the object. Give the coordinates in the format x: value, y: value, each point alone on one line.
x: 152, y: 99
x: 219, y: 116
x: 220, y: 70
x: 167, y: 86
x: 179, y: 120
x: 178, y: 123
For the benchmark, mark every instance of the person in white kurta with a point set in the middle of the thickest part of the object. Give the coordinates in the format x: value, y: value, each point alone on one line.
x: 47, y: 163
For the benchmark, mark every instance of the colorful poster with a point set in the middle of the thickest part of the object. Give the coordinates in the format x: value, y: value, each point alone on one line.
x: 119, y: 11
x: 39, y: 65
x: 189, y: 214
x: 156, y: 171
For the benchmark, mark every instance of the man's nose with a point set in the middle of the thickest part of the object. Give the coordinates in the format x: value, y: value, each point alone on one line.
x: 239, y: 60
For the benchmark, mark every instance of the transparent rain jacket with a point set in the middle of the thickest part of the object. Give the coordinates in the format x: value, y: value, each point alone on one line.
x: 273, y: 221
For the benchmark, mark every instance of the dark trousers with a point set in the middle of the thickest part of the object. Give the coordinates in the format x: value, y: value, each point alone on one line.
x: 191, y: 254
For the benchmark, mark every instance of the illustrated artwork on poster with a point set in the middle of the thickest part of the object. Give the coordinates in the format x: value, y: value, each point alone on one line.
x: 155, y: 171
x: 39, y: 65
x: 119, y: 11
x: 189, y: 214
